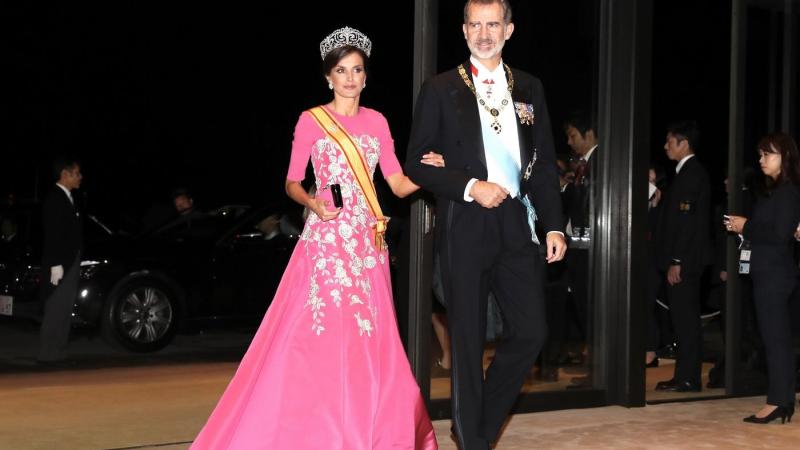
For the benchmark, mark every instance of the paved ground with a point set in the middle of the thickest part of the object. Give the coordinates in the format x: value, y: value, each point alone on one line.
x: 87, y: 349
x: 163, y: 407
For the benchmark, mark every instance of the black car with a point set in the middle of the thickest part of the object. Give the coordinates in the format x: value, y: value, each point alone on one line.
x: 140, y: 290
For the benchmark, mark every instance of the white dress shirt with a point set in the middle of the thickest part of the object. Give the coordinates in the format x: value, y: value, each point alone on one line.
x: 589, y: 154
x: 66, y: 191
x: 498, y: 84
x: 507, y: 118
x: 682, y: 162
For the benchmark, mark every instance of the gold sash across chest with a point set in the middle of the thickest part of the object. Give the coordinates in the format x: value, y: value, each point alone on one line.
x: 358, y: 166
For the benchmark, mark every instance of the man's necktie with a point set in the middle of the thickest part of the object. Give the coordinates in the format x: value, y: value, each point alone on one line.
x: 580, y: 171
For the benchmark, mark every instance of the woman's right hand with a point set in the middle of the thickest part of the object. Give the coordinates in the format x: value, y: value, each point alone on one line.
x: 320, y: 208
x: 735, y: 224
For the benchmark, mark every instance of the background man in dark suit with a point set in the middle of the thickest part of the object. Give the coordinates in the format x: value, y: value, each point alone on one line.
x: 582, y: 140
x: 61, y: 257
x: 683, y: 251
x: 491, y: 124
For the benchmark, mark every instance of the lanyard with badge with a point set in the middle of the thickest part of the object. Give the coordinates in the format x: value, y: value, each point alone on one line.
x: 744, y: 249
x: 744, y: 256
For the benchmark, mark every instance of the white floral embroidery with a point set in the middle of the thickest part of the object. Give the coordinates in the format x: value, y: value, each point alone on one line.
x: 316, y: 304
x: 347, y: 193
x: 361, y: 200
x: 340, y: 263
x: 366, y: 288
x: 356, y: 266
x: 364, y: 325
x: 335, y: 169
x: 372, y: 159
x: 350, y: 246
x: 341, y: 274
x: 345, y: 230
x: 337, y: 297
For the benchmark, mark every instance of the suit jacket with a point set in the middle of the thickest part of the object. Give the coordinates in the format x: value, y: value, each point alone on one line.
x: 770, y: 230
x: 684, y: 229
x: 447, y: 120
x: 63, y: 237
x: 579, y: 195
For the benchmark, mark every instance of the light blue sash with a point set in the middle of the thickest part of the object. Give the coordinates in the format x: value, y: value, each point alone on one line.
x: 510, y: 172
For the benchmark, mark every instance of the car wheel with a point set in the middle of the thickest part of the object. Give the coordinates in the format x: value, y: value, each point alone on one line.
x: 141, y: 315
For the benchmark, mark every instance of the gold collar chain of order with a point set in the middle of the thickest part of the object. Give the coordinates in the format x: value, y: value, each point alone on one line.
x: 495, y: 112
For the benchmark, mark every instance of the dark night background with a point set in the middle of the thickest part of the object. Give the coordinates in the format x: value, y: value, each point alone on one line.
x: 151, y: 97
x: 156, y: 96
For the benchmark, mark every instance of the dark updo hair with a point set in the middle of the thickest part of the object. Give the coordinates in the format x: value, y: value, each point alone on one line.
x: 782, y: 144
x: 334, y: 56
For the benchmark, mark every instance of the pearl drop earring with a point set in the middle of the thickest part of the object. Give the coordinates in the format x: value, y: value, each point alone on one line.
x: 330, y: 85
x: 365, y: 85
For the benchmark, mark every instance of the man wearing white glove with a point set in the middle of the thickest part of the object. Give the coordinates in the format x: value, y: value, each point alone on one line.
x: 61, y: 257
x: 56, y: 274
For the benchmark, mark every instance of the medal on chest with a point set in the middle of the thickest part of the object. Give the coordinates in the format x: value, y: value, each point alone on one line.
x: 494, y: 112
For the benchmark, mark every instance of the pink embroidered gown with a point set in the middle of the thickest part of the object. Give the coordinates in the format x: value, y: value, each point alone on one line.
x: 326, y: 368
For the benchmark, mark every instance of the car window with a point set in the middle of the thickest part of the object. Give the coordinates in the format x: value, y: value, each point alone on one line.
x: 20, y: 224
x: 196, y: 226
x: 25, y: 225
x: 269, y: 224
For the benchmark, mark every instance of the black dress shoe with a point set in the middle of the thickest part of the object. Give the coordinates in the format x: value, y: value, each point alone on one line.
x: 669, y: 352
x: 666, y: 385
x: 782, y: 412
x: 688, y: 386
x: 682, y: 386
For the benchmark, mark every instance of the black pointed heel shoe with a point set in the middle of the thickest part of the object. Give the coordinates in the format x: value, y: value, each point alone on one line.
x: 782, y: 412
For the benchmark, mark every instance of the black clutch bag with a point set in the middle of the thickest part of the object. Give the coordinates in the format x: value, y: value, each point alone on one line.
x: 336, y: 193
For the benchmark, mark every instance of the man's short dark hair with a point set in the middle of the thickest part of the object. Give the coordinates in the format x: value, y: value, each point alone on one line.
x: 181, y: 191
x: 685, y: 130
x: 582, y: 120
x: 64, y: 162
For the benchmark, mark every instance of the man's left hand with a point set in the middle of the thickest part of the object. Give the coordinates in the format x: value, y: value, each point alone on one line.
x: 556, y: 247
x: 674, y: 275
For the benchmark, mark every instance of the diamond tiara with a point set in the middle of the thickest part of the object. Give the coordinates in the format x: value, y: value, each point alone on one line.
x: 345, y: 36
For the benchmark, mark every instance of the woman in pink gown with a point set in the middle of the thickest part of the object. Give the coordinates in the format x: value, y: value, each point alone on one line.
x: 326, y: 368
